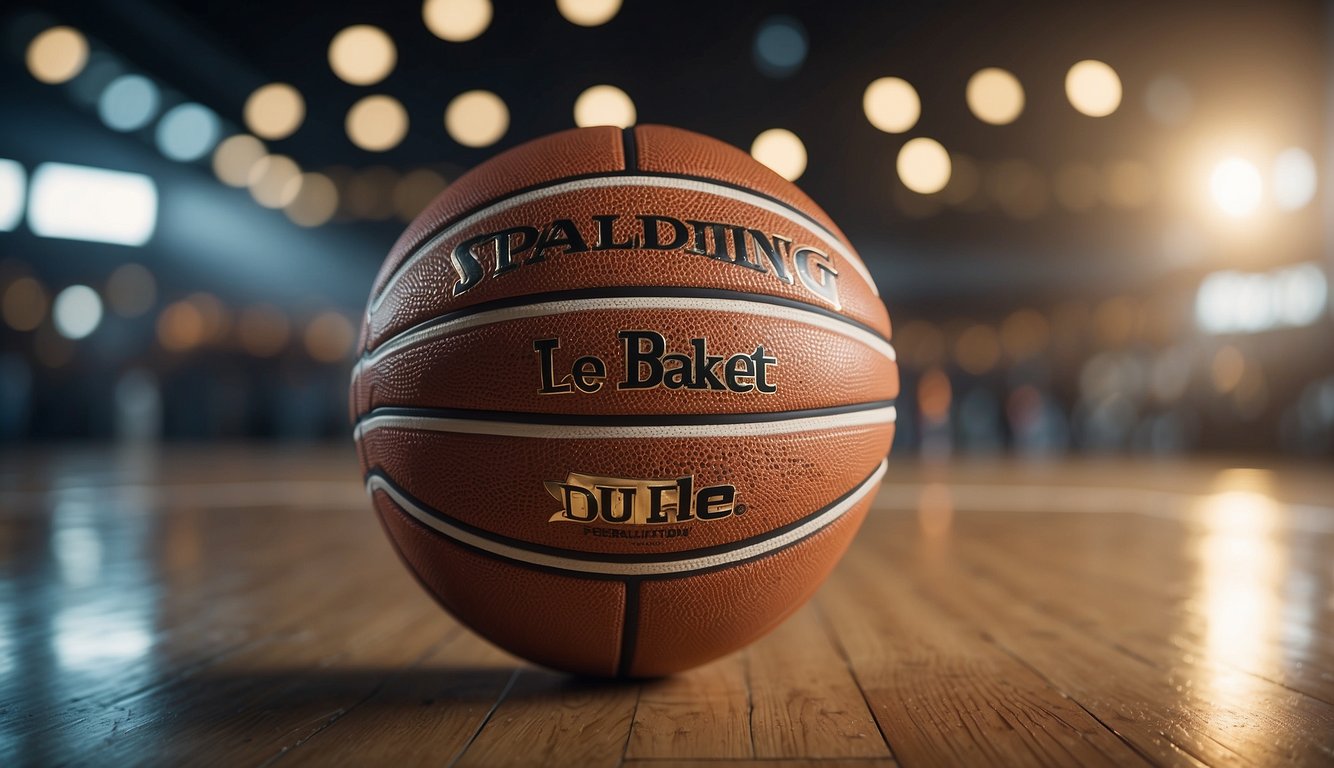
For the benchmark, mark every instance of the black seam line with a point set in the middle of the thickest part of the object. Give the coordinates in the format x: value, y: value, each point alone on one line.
x: 629, y: 627
x: 626, y: 292
x: 629, y: 149
x: 628, y: 420
x: 447, y: 223
x: 611, y: 557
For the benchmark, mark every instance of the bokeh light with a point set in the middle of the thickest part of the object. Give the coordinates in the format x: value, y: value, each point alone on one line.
x: 924, y: 166
x: 275, y: 181
x: 13, y: 188
x: 477, y: 118
x: 131, y: 290
x: 187, y: 132
x: 235, y: 157
x: 377, y: 123
x: 1093, y: 88
x: 274, y: 111
x: 782, y: 151
x: 180, y: 326
x: 263, y: 330
x: 588, y: 13
x: 995, y: 96
x: 57, y: 55
x: 604, y: 105
x: 315, y: 201
x: 76, y: 312
x: 977, y: 350
x: 362, y: 55
x: 1236, y: 187
x: 892, y: 104
x: 24, y: 304
x: 128, y: 103
x: 780, y: 46
x: 457, y: 21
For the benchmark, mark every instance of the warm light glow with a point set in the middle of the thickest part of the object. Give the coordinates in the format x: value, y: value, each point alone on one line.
x: 76, y: 312
x: 1294, y: 179
x: 131, y: 290
x: 377, y: 123
x: 329, y: 337
x: 57, y: 54
x: 180, y: 326
x: 275, y: 111
x: 81, y: 203
x: 977, y: 349
x: 271, y: 181
x: 588, y: 13
x: 924, y: 166
x: 477, y: 118
x: 995, y: 96
x: 236, y: 157
x: 362, y: 55
x: 13, y: 187
x: 1093, y: 88
x: 1239, y: 302
x: 457, y: 20
x: 128, y: 103
x: 187, y: 132
x: 604, y: 105
x: 1236, y: 187
x: 1128, y: 184
x: 315, y: 202
x: 782, y: 151
x: 24, y: 304
x: 891, y: 104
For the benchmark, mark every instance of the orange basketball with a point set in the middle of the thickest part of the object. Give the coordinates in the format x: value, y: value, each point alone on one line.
x: 624, y: 399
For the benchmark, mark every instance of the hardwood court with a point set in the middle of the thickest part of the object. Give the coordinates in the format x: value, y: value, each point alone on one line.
x: 241, y: 607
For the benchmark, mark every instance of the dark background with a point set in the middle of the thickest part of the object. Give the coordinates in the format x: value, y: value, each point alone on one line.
x: 1025, y: 320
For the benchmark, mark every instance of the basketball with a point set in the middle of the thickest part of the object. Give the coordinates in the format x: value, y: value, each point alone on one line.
x: 624, y: 397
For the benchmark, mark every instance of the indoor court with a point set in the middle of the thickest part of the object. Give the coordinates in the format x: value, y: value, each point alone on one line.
x: 666, y: 384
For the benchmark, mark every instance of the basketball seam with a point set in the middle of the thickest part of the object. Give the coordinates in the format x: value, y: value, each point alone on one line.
x: 595, y: 576
x: 560, y: 302
x: 629, y: 149
x: 629, y: 628
x: 625, y: 420
x: 568, y: 431
x: 378, y: 480
x: 613, y: 179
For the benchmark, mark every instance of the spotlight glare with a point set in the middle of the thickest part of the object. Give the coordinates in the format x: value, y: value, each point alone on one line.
x: 1093, y: 88
x: 457, y: 21
x: 604, y: 105
x: 362, y: 55
x: 477, y: 118
x: 924, y: 166
x: 57, y: 55
x: 892, y: 104
x: 782, y: 151
x: 77, y: 202
x: 1236, y: 187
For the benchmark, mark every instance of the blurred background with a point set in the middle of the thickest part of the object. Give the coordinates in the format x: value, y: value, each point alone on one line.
x: 1098, y: 228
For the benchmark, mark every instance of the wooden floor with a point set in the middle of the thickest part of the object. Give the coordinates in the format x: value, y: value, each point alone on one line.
x: 241, y: 607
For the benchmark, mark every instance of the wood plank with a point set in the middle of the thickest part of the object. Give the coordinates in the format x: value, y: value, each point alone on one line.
x: 1169, y: 714
x: 844, y: 762
x: 701, y: 713
x: 941, y: 691
x: 553, y: 719
x: 428, y: 714
x: 804, y: 698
